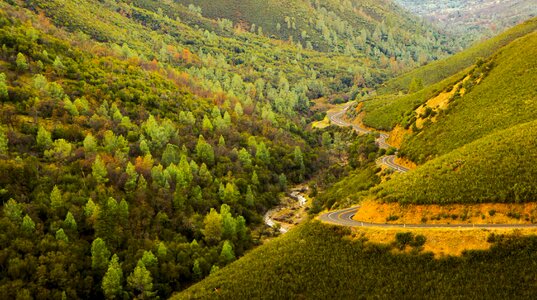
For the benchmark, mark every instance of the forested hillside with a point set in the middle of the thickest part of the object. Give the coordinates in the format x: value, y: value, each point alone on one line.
x: 151, y: 138
x: 379, y: 30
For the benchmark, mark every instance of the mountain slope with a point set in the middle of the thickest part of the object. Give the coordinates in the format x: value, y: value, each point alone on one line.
x: 356, y: 26
x: 317, y: 261
x: 498, y: 168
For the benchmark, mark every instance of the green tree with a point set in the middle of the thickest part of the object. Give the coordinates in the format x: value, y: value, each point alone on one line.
x: 206, y: 124
x: 227, y: 255
x: 3, y: 142
x: 229, y: 225
x: 99, y: 170
x: 28, y: 224
x: 13, y: 211
x: 140, y: 282
x: 249, y: 199
x: 263, y: 153
x: 204, y: 151
x: 99, y: 255
x: 212, y: 227
x: 61, y: 150
x: 132, y: 177
x: 171, y: 155
x: 113, y: 280
x: 90, y: 144
x: 149, y: 259
x: 3, y: 87
x: 61, y: 236
x: 43, y: 139
x: 56, y: 199
x: 196, y: 270
x: 70, y: 222
x: 21, y: 62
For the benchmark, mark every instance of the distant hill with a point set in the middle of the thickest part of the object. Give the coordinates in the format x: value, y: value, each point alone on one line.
x: 351, y: 26
x: 472, y: 20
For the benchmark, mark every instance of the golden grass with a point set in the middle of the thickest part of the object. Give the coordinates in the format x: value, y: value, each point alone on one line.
x: 440, y: 242
x: 488, y: 213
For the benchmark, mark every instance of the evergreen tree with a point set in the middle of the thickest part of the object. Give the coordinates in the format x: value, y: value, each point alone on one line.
x: 43, y: 139
x: 3, y: 142
x: 61, y: 236
x: 212, y: 227
x: 196, y: 270
x: 140, y: 281
x: 132, y: 177
x: 229, y: 225
x: 56, y: 199
x: 263, y: 153
x: 70, y: 222
x: 3, y: 87
x: 28, y: 224
x: 21, y: 62
x: 112, y: 280
x: 227, y: 255
x: 99, y: 170
x: 13, y: 211
x: 99, y: 255
x: 149, y: 259
x: 171, y: 155
x: 204, y: 151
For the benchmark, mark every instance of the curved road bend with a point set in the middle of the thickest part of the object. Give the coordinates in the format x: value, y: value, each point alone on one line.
x: 388, y: 160
x: 343, y: 217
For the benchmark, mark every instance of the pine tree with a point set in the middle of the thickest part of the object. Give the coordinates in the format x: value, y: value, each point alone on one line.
x: 229, y: 225
x: 196, y: 270
x: 56, y: 199
x: 212, y: 227
x: 227, y: 255
x: 3, y: 142
x: 149, y: 259
x: 112, y: 280
x: 13, y: 211
x: 21, y: 62
x: 28, y: 224
x: 99, y: 255
x: 204, y: 151
x: 99, y: 170
x: 3, y: 87
x: 61, y: 236
x: 132, y: 177
x: 90, y: 144
x: 70, y: 222
x: 43, y: 139
x: 140, y: 281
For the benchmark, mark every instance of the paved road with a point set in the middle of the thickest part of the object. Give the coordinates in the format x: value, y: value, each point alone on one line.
x: 343, y: 217
x: 388, y: 160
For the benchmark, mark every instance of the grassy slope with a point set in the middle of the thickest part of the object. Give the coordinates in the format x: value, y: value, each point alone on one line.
x: 504, y: 98
x: 436, y: 71
x: 315, y: 262
x: 385, y: 111
x: 497, y: 168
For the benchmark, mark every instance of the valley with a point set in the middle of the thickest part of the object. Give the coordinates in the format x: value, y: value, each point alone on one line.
x: 274, y: 149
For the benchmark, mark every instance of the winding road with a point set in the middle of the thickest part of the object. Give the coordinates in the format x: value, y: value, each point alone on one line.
x: 388, y: 160
x: 344, y: 217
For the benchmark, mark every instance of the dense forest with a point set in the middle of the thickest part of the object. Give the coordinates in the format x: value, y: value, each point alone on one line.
x: 149, y: 146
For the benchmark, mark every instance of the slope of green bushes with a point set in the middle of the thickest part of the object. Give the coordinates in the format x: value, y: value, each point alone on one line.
x: 315, y: 261
x: 497, y: 168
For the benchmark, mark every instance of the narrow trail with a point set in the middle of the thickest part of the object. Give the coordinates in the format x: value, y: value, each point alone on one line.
x: 387, y: 160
